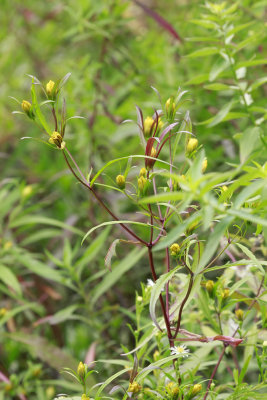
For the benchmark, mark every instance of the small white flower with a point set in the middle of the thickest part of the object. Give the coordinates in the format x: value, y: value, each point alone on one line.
x: 181, y: 351
x: 150, y: 283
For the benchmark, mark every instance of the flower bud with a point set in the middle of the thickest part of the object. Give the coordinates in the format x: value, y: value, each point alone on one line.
x: 191, y: 145
x: 209, y: 285
x: 148, y: 123
x: 57, y: 139
x: 148, y: 161
x: 27, y: 108
x: 134, y: 387
x: 160, y: 124
x: 225, y: 293
x: 170, y: 107
x: 50, y: 87
x: 264, y: 343
x: 84, y: 397
x: 224, y: 188
x: 81, y: 370
x: 204, y: 165
x: 50, y: 392
x: 156, y: 355
x: 175, y: 249
x: 3, y: 312
x: 120, y: 180
x: 142, y: 172
x: 139, y: 299
x: 172, y: 389
x: 239, y: 314
x: 196, y: 389
x: 142, y: 184
x: 27, y: 191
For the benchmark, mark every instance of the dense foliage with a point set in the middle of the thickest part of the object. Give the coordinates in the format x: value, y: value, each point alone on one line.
x: 151, y: 153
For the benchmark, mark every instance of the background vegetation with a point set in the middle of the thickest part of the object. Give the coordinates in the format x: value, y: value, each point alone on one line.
x: 59, y: 303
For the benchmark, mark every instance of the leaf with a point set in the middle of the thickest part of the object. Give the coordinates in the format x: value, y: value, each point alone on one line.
x: 109, y: 380
x: 214, y: 241
x: 40, y: 268
x: 37, y: 219
x: 198, y: 79
x: 206, y: 51
x: 251, y: 256
x: 219, y: 66
x: 116, y: 223
x: 251, y: 136
x: 38, y: 111
x: 221, y: 114
x: 217, y: 86
x: 64, y: 80
x: 156, y: 291
x: 251, y: 63
x: 111, y: 253
x: 121, y: 268
x: 10, y: 279
x: 18, y: 310
x: 247, y: 192
x: 168, y: 196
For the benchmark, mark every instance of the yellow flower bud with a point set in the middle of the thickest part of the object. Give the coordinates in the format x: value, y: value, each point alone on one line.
x: 175, y: 249
x: 142, y: 182
x: 209, y: 285
x: 26, y: 106
x: 172, y: 389
x: 148, y: 122
x: 134, y: 387
x: 191, y: 145
x: 8, y: 245
x: 224, y: 188
x: 27, y: 191
x: 160, y: 124
x: 196, y: 389
x: 84, y: 397
x: 57, y: 139
x: 3, y: 312
x: 50, y: 392
x: 81, y: 370
x: 264, y: 343
x: 143, y: 172
x: 153, y: 152
x: 49, y: 87
x: 156, y: 355
x: 8, y: 387
x: 204, y: 165
x: 239, y: 314
x: 225, y: 293
x: 120, y: 180
x: 139, y: 299
x: 169, y: 106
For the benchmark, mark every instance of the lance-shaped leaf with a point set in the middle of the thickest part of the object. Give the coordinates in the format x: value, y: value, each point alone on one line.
x: 38, y: 111
x: 156, y: 291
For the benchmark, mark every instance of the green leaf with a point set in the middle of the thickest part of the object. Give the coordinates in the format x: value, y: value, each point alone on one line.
x: 38, y: 111
x: 109, y: 380
x: 40, y: 268
x: 251, y: 136
x: 251, y: 63
x: 205, y: 51
x: 213, y: 242
x: 37, y: 219
x: 121, y: 268
x: 251, y: 256
x: 198, y: 79
x: 10, y: 279
x: 156, y: 291
x: 221, y: 114
x: 116, y: 223
x: 217, y: 86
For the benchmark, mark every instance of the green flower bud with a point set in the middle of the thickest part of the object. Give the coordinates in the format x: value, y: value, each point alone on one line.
x: 143, y: 172
x: 81, y: 370
x: 191, y: 145
x: 239, y: 314
x: 27, y: 108
x: 209, y: 285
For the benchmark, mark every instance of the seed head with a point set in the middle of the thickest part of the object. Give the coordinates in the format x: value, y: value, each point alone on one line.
x: 175, y: 249
x: 120, y: 180
x: 57, y: 139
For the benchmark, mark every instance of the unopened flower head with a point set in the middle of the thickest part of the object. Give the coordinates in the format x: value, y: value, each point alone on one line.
x: 170, y: 108
x: 239, y: 314
x: 27, y: 191
x: 191, y: 145
x: 120, y: 180
x: 175, y: 249
x: 143, y: 172
x: 27, y: 108
x: 81, y: 370
x: 204, y: 165
x: 84, y: 397
x: 225, y: 293
x: 148, y: 123
x: 50, y: 87
x: 134, y: 387
x: 209, y: 285
x: 181, y: 351
x: 160, y: 124
x: 57, y: 139
x: 172, y: 388
x: 142, y: 184
x: 196, y: 389
x: 3, y: 312
x: 153, y: 152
